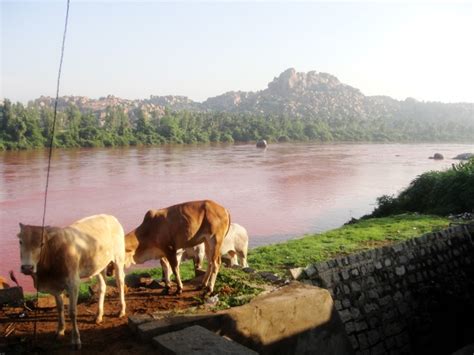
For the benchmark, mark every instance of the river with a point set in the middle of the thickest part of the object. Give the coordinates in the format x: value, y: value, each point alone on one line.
x: 279, y: 193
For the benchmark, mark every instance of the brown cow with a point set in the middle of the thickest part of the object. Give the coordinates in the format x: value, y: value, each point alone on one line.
x: 163, y: 232
x: 60, y: 257
x: 235, y: 246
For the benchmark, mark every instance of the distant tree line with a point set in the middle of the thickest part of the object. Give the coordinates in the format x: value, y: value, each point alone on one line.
x: 29, y: 127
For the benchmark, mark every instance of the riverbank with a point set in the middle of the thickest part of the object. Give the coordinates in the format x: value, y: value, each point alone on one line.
x: 236, y: 286
x: 270, y: 267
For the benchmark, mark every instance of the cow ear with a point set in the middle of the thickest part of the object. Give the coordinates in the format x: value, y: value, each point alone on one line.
x: 21, y: 226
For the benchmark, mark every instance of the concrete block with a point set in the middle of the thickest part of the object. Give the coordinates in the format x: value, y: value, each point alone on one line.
x: 137, y: 319
x: 294, y: 319
x: 198, y: 340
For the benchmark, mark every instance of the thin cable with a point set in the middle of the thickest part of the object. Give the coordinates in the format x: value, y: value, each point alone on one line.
x: 51, y: 144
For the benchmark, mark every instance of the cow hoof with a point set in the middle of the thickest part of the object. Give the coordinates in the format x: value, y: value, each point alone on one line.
x: 76, y: 347
x: 178, y: 292
x: 122, y: 314
x: 59, y: 334
x: 98, y: 320
x: 207, y: 291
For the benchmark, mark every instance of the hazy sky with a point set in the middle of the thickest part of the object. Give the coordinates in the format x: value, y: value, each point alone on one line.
x: 133, y: 49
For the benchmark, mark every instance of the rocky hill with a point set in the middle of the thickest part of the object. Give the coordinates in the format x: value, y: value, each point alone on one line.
x: 324, y: 97
x: 312, y: 95
x: 295, y: 94
x: 99, y: 106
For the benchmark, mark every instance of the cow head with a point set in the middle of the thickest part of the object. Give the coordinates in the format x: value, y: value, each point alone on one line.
x: 131, y: 244
x: 140, y: 249
x: 30, y: 238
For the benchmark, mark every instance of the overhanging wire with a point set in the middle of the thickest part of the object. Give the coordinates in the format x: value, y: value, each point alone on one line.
x: 51, y: 144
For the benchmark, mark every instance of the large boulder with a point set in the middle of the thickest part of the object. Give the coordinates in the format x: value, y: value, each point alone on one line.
x: 464, y: 156
x: 437, y: 156
x: 262, y: 143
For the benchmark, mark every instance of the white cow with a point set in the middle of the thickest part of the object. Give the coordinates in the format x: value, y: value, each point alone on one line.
x: 235, y: 245
x: 58, y: 258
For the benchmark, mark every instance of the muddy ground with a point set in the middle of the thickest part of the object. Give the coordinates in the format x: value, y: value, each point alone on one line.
x: 112, y: 336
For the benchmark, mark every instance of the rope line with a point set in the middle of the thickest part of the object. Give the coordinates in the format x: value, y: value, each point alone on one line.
x: 51, y: 144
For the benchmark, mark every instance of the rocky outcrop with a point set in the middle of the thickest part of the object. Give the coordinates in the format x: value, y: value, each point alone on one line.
x: 316, y: 95
x: 464, y: 156
x: 294, y: 94
x: 437, y: 156
x: 322, y: 96
x: 175, y: 103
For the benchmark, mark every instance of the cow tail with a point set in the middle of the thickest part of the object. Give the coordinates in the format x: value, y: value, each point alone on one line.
x: 228, y: 227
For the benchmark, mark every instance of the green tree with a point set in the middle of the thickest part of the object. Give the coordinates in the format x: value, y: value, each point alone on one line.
x: 89, y: 131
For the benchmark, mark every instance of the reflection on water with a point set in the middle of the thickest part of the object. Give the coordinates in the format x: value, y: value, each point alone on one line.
x: 278, y: 193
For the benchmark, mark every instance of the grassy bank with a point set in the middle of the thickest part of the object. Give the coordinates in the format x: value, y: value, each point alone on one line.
x: 236, y: 287
x: 278, y: 258
x: 363, y: 235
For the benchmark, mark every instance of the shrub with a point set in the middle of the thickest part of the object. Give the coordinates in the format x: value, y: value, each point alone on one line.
x: 435, y: 192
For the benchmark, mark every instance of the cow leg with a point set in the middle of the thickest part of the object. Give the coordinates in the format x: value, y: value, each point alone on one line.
x: 243, y: 259
x: 100, y: 311
x: 174, y: 263
x: 120, y: 280
x: 213, y: 253
x: 233, y: 258
x: 196, y: 264
x: 207, y: 275
x: 198, y: 259
x: 216, y: 263
x: 73, y: 291
x: 60, y: 309
x: 165, y: 269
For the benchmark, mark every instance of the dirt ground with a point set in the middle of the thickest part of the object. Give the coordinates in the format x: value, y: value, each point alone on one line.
x: 112, y: 336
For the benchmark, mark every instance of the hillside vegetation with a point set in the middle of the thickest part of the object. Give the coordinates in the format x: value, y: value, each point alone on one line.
x: 435, y: 192
x: 295, y: 107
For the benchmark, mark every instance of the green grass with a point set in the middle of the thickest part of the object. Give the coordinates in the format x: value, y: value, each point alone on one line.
x: 186, y: 269
x: 365, y: 234
x: 234, y: 286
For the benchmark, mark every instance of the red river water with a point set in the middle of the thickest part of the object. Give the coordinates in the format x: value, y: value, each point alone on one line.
x: 279, y: 193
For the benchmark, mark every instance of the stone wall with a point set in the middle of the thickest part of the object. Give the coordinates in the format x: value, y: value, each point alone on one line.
x: 412, y: 297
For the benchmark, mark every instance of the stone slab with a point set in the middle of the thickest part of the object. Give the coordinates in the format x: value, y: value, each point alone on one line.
x: 148, y: 330
x: 467, y: 350
x: 137, y: 319
x: 198, y: 340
